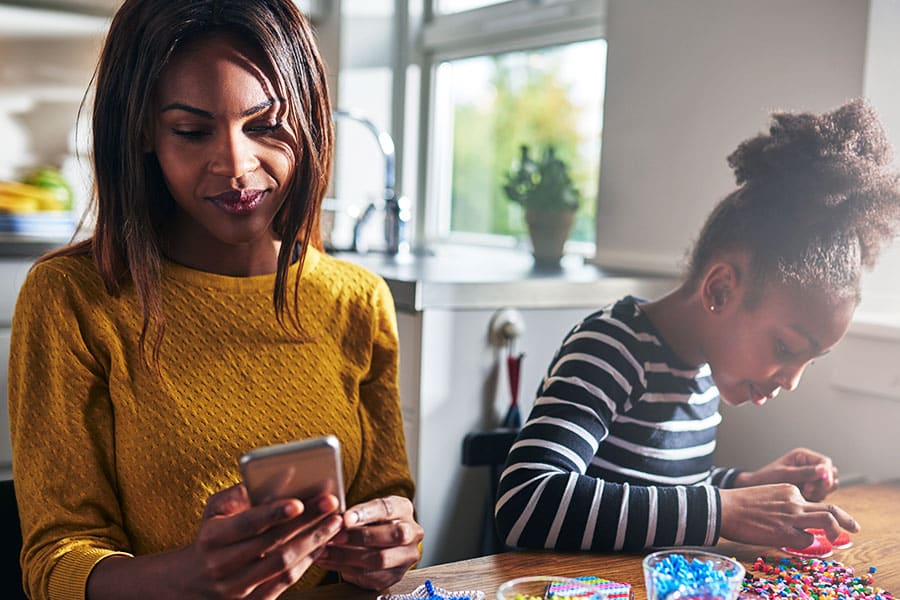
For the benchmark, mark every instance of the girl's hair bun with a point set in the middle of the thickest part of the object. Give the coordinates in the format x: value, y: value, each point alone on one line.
x: 817, y: 200
x: 834, y: 151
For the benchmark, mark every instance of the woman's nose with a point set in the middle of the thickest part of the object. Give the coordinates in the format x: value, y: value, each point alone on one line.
x: 233, y: 156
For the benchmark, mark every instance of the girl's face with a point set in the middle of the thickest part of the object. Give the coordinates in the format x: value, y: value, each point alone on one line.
x: 756, y: 352
x: 224, y: 147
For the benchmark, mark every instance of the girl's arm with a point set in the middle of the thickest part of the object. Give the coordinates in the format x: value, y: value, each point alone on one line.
x: 547, y: 500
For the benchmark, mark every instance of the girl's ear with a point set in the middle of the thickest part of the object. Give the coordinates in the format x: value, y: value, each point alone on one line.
x: 719, y: 288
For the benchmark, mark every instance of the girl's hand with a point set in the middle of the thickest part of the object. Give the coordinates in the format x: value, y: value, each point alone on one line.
x: 257, y: 552
x: 810, y: 471
x: 778, y: 515
x: 379, y: 543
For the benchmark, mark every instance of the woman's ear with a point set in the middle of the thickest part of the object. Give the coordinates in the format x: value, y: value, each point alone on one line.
x: 719, y: 287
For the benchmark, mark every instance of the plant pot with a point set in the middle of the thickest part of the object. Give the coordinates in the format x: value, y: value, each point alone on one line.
x: 549, y: 230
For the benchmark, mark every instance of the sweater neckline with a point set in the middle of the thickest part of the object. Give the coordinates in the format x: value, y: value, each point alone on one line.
x: 265, y: 282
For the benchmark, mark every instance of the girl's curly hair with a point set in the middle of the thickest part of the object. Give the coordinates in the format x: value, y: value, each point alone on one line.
x: 816, y: 202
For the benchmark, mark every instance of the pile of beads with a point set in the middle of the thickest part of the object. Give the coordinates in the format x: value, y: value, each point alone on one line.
x: 676, y: 577
x: 811, y: 579
x: 591, y: 587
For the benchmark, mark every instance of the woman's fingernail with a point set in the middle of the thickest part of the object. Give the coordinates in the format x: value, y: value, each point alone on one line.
x: 353, y: 517
x: 290, y: 510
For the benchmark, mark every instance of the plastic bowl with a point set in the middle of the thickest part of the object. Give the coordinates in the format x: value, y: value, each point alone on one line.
x: 692, y: 575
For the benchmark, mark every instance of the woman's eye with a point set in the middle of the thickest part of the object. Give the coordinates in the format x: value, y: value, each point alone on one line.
x: 266, y: 128
x: 191, y: 134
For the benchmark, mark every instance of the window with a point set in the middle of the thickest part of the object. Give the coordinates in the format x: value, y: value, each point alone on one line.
x: 455, y: 6
x: 499, y: 76
x: 490, y: 106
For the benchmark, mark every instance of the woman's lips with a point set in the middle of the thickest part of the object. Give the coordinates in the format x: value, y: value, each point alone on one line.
x: 238, y: 202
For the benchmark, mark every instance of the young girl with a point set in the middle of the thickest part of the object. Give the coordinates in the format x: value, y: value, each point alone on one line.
x: 199, y: 321
x: 616, y: 454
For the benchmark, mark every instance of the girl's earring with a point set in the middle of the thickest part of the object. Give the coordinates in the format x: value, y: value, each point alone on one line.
x: 712, y: 308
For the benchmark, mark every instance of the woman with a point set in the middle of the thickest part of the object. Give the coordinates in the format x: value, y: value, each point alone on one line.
x: 199, y: 321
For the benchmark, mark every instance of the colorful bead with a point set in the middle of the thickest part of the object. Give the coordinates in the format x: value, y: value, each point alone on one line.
x: 811, y: 579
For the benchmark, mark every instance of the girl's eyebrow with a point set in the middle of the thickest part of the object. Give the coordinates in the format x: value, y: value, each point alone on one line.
x: 814, y: 344
x: 253, y: 110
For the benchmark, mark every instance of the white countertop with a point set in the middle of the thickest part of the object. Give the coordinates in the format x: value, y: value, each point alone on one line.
x: 469, y: 277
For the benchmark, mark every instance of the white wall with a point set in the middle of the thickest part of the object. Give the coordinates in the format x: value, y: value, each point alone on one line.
x: 881, y: 85
x: 686, y: 82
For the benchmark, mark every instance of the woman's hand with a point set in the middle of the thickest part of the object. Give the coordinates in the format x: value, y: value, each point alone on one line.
x: 810, y: 471
x: 258, y: 552
x: 379, y: 543
x: 239, y: 552
x: 778, y: 515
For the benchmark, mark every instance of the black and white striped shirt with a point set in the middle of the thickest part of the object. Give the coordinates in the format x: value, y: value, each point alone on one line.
x: 617, y: 451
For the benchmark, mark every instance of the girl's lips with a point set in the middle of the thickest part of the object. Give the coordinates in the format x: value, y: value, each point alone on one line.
x: 238, y: 202
x: 755, y: 396
x: 758, y: 397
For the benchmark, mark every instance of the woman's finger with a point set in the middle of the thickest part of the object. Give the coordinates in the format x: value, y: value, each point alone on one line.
x: 378, y: 510
x: 384, y: 535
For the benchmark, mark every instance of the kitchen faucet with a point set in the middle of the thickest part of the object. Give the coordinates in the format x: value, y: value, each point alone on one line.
x: 394, y: 219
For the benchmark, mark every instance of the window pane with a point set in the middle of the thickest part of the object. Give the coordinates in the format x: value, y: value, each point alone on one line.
x: 492, y: 105
x: 455, y: 6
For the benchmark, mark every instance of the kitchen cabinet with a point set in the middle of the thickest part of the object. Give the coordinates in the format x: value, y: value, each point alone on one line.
x: 451, y: 376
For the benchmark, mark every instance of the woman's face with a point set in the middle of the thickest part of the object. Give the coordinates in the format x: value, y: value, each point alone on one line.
x: 224, y: 147
x: 756, y: 352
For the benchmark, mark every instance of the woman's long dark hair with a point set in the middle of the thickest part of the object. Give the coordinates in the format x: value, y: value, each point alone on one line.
x: 132, y: 200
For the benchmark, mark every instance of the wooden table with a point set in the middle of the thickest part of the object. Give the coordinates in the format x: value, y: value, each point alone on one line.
x: 875, y: 507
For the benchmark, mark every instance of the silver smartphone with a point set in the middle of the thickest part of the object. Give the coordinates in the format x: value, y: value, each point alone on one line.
x: 303, y: 469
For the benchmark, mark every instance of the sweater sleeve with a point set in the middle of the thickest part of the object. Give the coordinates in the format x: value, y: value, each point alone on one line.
x: 383, y: 468
x: 61, y: 425
x: 545, y: 497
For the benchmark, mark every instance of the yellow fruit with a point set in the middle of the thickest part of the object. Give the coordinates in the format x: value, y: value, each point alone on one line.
x: 23, y: 197
x: 51, y: 179
x: 18, y: 204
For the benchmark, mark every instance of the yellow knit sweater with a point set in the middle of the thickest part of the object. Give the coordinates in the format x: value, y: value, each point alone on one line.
x: 109, y: 457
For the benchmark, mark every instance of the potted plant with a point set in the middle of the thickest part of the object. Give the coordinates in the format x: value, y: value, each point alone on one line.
x: 544, y: 189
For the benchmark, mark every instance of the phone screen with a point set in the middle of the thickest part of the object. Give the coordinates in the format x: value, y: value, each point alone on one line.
x: 303, y: 469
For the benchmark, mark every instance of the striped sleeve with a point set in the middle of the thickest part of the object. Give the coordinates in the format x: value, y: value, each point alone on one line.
x: 723, y: 477
x: 546, y: 499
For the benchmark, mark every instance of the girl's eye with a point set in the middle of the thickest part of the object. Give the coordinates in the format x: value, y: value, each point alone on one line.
x: 782, y: 351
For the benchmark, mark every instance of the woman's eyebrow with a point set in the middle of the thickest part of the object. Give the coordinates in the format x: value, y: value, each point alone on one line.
x: 253, y: 110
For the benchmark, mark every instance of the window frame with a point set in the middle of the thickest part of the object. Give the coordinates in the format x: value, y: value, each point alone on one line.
x: 515, y: 25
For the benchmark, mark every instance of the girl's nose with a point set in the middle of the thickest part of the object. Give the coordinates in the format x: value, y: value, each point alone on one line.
x: 789, y: 377
x: 233, y: 156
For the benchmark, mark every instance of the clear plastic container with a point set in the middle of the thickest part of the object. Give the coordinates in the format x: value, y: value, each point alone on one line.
x: 692, y: 575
